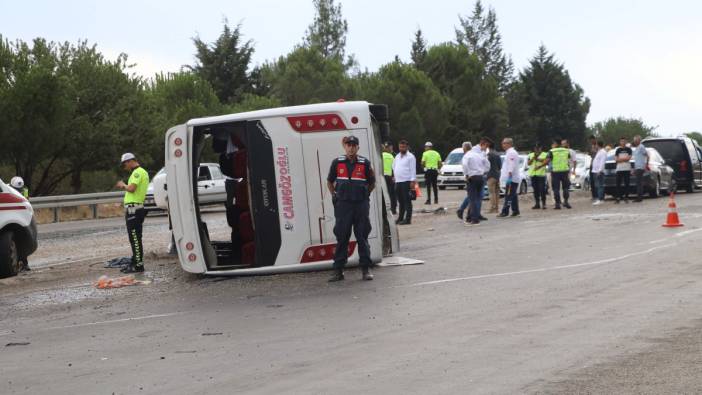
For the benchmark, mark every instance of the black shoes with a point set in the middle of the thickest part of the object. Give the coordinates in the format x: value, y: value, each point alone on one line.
x: 459, y: 213
x: 427, y: 202
x: 536, y: 207
x: 367, y: 275
x: 514, y: 215
x: 482, y: 218
x: 566, y: 205
x: 404, y: 222
x: 337, y: 276
x: 133, y: 269
x: 637, y: 200
x: 502, y: 215
x: 558, y: 207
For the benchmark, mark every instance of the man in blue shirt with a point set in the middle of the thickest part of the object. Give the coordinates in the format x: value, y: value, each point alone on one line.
x: 640, y: 165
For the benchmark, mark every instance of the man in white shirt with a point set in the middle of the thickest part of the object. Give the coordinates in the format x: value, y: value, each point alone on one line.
x: 512, y: 178
x: 404, y: 167
x: 475, y: 166
x: 598, y: 165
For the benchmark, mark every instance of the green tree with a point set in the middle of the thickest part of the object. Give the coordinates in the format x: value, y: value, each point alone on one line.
x: 327, y: 33
x: 305, y: 76
x: 480, y: 34
x: 612, y: 129
x: 35, y: 107
x: 697, y: 136
x: 225, y: 63
x: 419, y: 48
x: 475, y: 106
x: 545, y: 103
x: 109, y: 113
x: 418, y: 111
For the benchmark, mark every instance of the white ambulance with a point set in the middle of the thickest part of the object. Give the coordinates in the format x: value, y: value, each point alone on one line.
x: 279, y: 207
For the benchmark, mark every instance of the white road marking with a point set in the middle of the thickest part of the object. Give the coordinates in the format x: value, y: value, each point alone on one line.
x: 543, y: 269
x: 146, y: 317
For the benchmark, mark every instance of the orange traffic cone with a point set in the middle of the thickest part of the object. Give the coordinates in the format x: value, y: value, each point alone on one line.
x: 417, y: 190
x: 672, y: 221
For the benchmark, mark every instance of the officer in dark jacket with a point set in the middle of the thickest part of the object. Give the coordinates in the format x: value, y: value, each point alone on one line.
x: 351, y: 180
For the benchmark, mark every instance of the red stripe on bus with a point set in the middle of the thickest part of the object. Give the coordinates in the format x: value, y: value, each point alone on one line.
x: 6, y: 208
x: 10, y: 198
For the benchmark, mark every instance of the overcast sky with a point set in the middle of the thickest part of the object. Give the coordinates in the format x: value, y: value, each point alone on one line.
x: 633, y: 58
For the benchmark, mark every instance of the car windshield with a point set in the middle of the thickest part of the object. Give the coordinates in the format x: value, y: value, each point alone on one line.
x: 454, y: 158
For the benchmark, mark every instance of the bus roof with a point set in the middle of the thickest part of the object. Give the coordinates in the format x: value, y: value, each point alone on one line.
x: 351, y: 107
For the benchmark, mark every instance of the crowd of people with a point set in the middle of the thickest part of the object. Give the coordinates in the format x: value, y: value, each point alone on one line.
x: 483, y: 164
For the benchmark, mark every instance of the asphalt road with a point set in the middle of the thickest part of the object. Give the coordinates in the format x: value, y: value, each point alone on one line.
x: 589, y: 300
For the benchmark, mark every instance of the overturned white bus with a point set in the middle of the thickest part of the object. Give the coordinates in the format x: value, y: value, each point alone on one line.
x: 278, y: 207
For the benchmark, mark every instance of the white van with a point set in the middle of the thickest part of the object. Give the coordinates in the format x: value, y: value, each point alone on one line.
x: 451, y: 173
x: 280, y: 211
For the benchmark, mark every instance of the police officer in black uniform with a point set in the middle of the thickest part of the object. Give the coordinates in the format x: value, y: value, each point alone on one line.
x: 351, y: 180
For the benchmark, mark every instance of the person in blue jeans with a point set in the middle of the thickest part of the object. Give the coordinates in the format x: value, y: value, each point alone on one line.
x: 598, y: 165
x: 512, y: 178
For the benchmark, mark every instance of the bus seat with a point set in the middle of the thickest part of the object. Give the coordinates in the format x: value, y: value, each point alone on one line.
x: 246, y: 229
x: 240, y: 164
x: 248, y: 254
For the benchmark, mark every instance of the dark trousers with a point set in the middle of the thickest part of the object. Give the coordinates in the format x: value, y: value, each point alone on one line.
x: 431, y: 178
x: 135, y: 222
x: 623, y: 177
x: 538, y: 183
x: 403, y: 199
x: 638, y: 173
x: 475, y: 189
x: 391, y: 191
x: 511, y: 198
x: 592, y: 185
x: 560, y: 180
x: 351, y: 215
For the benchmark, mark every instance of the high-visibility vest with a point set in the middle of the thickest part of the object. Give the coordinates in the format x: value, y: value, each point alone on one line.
x: 540, y: 160
x: 387, y: 163
x: 560, y: 159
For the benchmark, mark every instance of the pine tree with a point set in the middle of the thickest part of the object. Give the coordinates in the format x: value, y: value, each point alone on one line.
x: 545, y: 103
x: 328, y: 31
x: 419, y: 48
x: 480, y: 34
x: 225, y: 63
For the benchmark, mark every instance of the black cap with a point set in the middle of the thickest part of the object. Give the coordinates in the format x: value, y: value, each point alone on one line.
x: 351, y: 140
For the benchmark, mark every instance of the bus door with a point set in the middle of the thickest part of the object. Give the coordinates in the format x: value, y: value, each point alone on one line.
x: 319, y: 150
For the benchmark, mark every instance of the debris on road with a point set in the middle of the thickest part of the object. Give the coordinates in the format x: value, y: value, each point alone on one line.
x: 17, y: 344
x: 118, y: 262
x: 211, y: 333
x: 105, y: 282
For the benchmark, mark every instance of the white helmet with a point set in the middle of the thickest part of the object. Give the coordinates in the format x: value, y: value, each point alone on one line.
x: 127, y: 156
x: 17, y: 182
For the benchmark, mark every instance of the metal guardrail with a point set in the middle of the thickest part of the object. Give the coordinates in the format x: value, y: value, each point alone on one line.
x: 86, y: 199
x: 55, y: 203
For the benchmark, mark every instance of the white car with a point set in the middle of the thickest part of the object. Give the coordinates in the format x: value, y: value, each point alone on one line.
x: 581, y: 178
x: 210, y: 187
x: 451, y: 173
x: 18, y: 231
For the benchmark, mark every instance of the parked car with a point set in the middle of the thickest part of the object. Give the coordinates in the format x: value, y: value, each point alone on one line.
x: 658, y: 179
x: 451, y: 173
x: 684, y: 156
x: 210, y: 186
x: 18, y: 231
x: 581, y: 178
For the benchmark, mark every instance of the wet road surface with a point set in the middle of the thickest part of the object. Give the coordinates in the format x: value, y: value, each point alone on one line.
x: 589, y: 300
